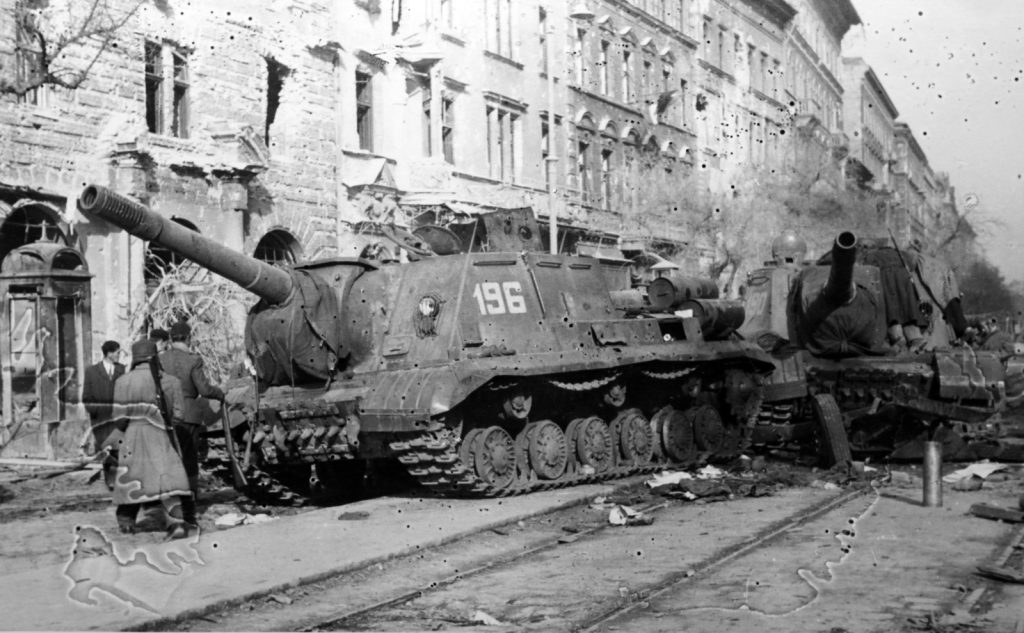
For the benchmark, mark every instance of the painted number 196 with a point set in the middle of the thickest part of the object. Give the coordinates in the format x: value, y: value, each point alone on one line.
x: 499, y: 298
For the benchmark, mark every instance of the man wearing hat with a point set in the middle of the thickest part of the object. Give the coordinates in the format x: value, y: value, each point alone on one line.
x: 149, y: 467
x: 97, y: 396
x: 180, y: 362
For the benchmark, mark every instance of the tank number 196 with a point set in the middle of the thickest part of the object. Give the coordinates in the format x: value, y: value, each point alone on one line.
x: 499, y: 298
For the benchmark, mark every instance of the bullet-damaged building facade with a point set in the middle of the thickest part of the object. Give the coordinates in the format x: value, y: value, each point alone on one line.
x: 295, y: 129
x: 221, y: 117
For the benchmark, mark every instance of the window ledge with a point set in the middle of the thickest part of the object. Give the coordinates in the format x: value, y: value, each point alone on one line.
x: 503, y: 59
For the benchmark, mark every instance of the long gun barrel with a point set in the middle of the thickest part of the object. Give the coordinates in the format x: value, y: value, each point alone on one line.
x: 268, y: 282
x: 840, y: 289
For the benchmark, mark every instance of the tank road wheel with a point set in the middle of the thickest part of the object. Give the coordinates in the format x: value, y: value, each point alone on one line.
x: 548, y: 449
x: 834, y: 445
x: 634, y: 435
x: 466, y: 454
x: 677, y: 433
x: 708, y: 430
x: 494, y: 456
x: 594, y: 444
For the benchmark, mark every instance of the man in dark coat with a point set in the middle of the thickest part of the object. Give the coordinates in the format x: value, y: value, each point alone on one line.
x: 181, y: 362
x: 97, y: 396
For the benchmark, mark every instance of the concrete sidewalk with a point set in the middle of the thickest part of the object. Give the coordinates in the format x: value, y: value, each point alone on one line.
x: 110, y: 581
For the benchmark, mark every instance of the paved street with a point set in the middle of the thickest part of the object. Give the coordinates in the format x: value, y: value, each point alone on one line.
x: 873, y: 560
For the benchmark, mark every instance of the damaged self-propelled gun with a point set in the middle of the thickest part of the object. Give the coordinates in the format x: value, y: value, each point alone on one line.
x: 483, y: 373
x: 875, y: 340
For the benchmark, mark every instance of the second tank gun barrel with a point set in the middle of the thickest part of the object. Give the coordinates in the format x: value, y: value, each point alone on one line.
x: 840, y: 288
x: 268, y: 282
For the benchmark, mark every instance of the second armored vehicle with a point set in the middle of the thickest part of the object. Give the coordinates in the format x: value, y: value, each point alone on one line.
x: 864, y: 336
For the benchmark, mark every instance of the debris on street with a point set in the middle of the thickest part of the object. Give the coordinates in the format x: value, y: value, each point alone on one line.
x: 482, y: 617
x: 981, y: 470
x: 234, y: 519
x: 625, y: 515
x: 1004, y: 574
x: 999, y: 513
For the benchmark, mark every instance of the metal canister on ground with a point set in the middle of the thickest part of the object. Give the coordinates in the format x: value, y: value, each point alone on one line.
x: 932, y: 474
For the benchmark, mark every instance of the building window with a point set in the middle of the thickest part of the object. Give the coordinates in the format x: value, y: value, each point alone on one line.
x: 720, y: 49
x: 448, y: 129
x: 498, y: 20
x: 277, y: 248
x: 545, y: 151
x: 603, y: 63
x: 706, y: 39
x: 684, y: 112
x: 627, y: 77
x: 154, y: 88
x: 681, y: 10
x: 167, y: 89
x: 737, y: 52
x: 606, y: 179
x: 583, y: 171
x: 364, y: 110
x: 502, y: 138
x: 180, y: 105
x: 647, y: 82
x: 542, y: 28
x: 276, y: 74
x: 28, y: 54
x: 445, y: 14
x: 577, y: 56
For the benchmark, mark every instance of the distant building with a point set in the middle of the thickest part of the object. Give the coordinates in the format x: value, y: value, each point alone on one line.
x: 870, y: 119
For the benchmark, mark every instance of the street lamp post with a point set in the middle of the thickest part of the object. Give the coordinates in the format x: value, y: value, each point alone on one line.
x: 551, y: 157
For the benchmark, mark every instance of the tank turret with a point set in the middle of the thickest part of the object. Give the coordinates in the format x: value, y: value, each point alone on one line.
x: 825, y: 324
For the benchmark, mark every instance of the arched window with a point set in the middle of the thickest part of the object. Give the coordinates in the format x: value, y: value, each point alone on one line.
x: 27, y: 224
x: 630, y: 152
x: 609, y: 147
x: 279, y: 248
x: 585, y: 158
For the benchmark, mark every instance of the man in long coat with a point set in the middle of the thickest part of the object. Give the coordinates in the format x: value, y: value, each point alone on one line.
x: 149, y: 468
x: 179, y: 361
x: 98, y: 396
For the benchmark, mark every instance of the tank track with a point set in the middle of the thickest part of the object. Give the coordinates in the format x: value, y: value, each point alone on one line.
x: 434, y: 461
x: 261, y: 486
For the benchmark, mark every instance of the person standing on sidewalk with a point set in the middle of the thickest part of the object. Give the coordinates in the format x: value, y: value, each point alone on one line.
x: 187, y: 366
x: 98, y: 397
x: 149, y: 468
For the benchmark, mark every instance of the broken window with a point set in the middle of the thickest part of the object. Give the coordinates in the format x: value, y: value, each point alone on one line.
x: 167, y: 89
x: 28, y: 52
x: 276, y: 74
x: 448, y: 129
x: 154, y: 87
x: 364, y: 110
x: 180, y: 111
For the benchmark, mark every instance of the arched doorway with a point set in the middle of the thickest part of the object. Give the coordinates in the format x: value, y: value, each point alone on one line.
x: 279, y: 248
x: 28, y: 223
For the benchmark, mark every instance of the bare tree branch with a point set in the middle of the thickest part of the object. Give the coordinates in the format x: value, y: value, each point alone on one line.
x: 42, y: 50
